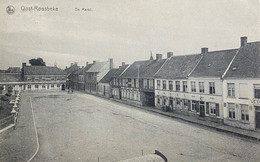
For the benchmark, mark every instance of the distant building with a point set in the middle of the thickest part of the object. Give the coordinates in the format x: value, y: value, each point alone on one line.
x: 95, y: 73
x: 77, y: 77
x: 11, y: 78
x: 42, y: 77
x: 73, y: 67
x: 137, y: 81
x: 241, y: 88
x: 104, y: 85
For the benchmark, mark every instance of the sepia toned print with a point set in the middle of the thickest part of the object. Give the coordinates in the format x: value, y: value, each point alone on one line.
x: 130, y: 80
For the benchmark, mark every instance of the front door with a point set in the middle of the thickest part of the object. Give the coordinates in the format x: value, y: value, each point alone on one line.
x: 120, y: 93
x: 202, y: 109
x: 257, y: 117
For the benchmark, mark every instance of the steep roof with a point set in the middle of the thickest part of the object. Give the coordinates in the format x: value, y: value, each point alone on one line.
x: 72, y: 68
x: 43, y: 70
x: 214, y: 64
x: 13, y: 70
x: 109, y: 76
x: 120, y: 70
x: 10, y: 77
x: 146, y: 69
x: 97, y: 66
x: 247, y: 62
x: 178, y: 67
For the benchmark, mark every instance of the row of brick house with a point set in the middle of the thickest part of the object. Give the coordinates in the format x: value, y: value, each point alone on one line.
x: 221, y: 86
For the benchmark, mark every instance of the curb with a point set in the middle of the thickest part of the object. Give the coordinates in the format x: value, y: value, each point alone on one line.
x: 6, y: 128
x: 190, y: 121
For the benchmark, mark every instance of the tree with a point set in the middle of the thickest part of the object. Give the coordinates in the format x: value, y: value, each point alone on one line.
x: 37, y: 62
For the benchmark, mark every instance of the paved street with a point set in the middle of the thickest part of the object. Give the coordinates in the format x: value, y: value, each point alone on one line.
x: 81, y: 127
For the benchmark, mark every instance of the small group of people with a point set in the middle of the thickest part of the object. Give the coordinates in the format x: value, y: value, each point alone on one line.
x: 70, y: 90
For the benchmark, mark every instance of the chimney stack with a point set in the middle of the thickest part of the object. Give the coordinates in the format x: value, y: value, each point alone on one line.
x: 123, y: 63
x: 169, y: 54
x: 243, y: 41
x: 86, y: 63
x: 110, y: 63
x: 158, y: 57
x: 71, y: 64
x: 94, y: 61
x: 204, y: 50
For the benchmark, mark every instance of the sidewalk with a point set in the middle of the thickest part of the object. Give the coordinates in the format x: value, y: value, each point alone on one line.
x: 255, y: 135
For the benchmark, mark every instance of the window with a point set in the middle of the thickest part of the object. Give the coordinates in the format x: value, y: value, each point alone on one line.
x: 135, y: 83
x: 29, y: 79
x: 36, y: 86
x: 128, y: 82
x: 231, y: 89
x: 201, y: 87
x: 178, y: 86
x: 43, y: 86
x: 158, y: 84
x: 29, y: 86
x: 231, y: 109
x: 257, y: 90
x: 151, y: 84
x: 158, y: 100
x: 194, y: 105
x: 193, y: 86
x: 211, y: 87
x: 164, y: 84
x: 212, y: 108
x: 58, y: 85
x: 170, y: 86
x: 184, y: 86
x: 20, y: 85
x: 52, y: 85
x: 244, y: 113
x: 178, y: 101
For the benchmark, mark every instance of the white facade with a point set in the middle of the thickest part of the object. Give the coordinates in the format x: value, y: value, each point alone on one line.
x: 241, y: 104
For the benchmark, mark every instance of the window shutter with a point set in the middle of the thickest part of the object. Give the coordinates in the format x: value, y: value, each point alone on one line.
x: 207, y: 108
x: 189, y: 105
x: 217, y: 109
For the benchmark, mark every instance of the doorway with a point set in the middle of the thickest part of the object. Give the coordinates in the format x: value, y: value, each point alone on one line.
x: 257, y: 117
x: 202, y: 109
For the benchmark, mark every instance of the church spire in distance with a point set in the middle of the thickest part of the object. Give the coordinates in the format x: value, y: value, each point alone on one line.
x: 151, y: 57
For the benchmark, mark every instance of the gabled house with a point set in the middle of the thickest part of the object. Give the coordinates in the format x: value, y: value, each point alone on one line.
x: 206, y: 84
x: 241, y: 88
x: 42, y: 77
x: 172, y: 87
x: 137, y: 82
x: 116, y: 81
x: 73, y: 67
x: 104, y: 85
x: 77, y: 78
x: 95, y: 73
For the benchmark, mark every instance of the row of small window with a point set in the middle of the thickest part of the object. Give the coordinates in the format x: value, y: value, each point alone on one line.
x: 45, y: 79
x: 185, y: 86
x: 243, y: 90
x: 134, y: 95
x: 233, y: 114
x: 193, y: 105
x: 36, y: 86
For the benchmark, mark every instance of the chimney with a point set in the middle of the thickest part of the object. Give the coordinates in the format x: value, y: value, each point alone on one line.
x: 86, y: 63
x: 22, y: 75
x: 243, y: 41
x: 76, y: 63
x: 204, y: 50
x: 158, y: 57
x: 94, y: 61
x: 169, y: 54
x: 123, y: 63
x: 110, y: 63
x: 71, y: 64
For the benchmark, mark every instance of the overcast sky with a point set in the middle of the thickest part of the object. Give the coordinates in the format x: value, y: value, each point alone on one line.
x: 125, y: 30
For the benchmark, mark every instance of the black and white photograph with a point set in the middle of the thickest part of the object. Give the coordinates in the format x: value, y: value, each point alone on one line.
x: 129, y: 80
